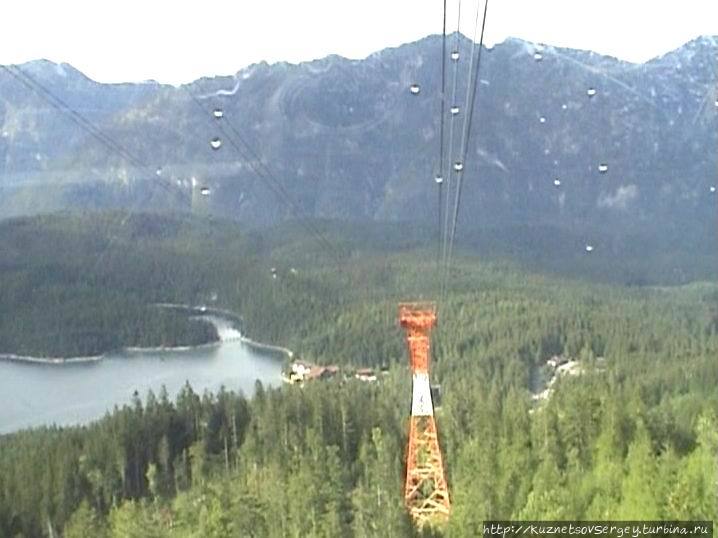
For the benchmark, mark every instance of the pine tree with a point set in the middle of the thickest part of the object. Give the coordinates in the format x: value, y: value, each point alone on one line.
x: 640, y: 489
x: 84, y: 523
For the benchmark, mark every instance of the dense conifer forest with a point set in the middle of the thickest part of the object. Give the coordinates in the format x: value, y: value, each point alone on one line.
x: 632, y: 435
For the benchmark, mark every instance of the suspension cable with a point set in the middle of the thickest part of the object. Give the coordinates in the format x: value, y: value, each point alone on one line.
x: 456, y: 56
x: 466, y: 136
x: 439, y: 177
x: 84, y: 123
x: 261, y: 170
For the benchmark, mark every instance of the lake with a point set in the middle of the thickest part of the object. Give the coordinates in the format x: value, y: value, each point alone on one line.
x: 42, y: 394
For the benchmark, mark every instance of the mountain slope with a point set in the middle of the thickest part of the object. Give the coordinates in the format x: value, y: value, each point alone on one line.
x: 346, y: 139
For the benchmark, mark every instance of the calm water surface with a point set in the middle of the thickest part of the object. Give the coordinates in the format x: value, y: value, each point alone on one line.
x: 40, y: 394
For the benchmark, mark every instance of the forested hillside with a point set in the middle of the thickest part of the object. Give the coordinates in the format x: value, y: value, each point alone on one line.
x: 84, y: 285
x: 631, y: 436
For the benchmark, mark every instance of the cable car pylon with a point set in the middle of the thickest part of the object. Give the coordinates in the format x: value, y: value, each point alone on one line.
x: 426, y: 493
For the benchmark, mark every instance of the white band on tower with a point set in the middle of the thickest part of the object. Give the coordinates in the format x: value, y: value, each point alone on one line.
x: 421, y: 405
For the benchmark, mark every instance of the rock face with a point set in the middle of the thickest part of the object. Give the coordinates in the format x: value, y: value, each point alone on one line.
x: 561, y: 138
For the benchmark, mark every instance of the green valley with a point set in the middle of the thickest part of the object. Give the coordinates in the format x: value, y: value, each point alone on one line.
x: 631, y: 436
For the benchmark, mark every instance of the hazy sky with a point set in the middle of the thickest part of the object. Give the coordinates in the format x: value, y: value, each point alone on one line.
x: 178, y: 41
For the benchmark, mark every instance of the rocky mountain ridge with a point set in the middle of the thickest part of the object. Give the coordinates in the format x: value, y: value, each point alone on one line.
x: 561, y: 138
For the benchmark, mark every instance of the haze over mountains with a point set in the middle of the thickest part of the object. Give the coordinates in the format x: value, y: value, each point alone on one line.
x: 348, y: 140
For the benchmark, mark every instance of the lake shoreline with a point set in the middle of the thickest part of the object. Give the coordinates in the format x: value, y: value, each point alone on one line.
x: 268, y: 347
x: 12, y: 357
x: 159, y: 349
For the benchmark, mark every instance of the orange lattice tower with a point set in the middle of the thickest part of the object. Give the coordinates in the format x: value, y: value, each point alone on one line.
x: 426, y: 494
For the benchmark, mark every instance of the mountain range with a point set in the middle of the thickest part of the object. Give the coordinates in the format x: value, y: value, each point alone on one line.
x: 561, y: 139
